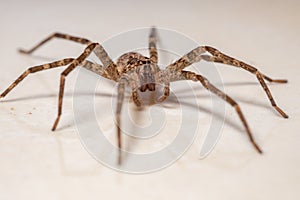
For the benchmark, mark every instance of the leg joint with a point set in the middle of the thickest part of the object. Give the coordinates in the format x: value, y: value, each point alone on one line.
x: 37, y: 68
x: 72, y: 38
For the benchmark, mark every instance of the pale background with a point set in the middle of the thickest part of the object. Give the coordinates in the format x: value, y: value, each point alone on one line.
x: 37, y: 164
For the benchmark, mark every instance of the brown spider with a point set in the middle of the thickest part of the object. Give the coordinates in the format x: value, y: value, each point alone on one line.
x: 142, y: 73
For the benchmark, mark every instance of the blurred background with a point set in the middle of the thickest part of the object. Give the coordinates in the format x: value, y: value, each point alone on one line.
x: 37, y: 164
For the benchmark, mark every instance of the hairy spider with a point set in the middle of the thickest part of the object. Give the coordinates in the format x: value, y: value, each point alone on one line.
x: 142, y: 73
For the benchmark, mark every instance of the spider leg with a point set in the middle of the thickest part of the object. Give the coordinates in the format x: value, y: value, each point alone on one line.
x: 135, y: 98
x: 166, y: 93
x: 126, y: 79
x: 152, y: 45
x: 56, y: 35
x: 88, y: 50
x: 99, y: 51
x: 132, y: 78
x: 107, y: 62
x: 187, y: 60
x: 186, y: 75
x: 209, y: 58
x: 34, y: 69
x: 121, y: 91
x: 197, y: 54
x: 96, y: 68
x: 222, y: 58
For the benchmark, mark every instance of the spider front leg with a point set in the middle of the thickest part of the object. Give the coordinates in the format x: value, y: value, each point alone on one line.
x: 121, y: 92
x: 222, y: 58
x: 56, y: 35
x: 197, y: 54
x: 35, y: 69
x: 130, y: 80
x: 99, y: 51
x: 186, y: 75
x: 88, y: 50
x: 152, y: 45
x: 165, y: 94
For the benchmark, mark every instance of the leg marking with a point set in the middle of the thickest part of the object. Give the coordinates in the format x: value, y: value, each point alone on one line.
x: 34, y: 70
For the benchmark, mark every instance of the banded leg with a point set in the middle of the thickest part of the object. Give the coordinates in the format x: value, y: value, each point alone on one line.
x: 187, y: 60
x: 56, y: 35
x: 197, y: 54
x: 96, y: 68
x: 219, y: 57
x: 131, y: 80
x: 107, y: 62
x: 135, y: 98
x: 99, y: 51
x: 165, y: 94
x: 121, y: 93
x: 88, y: 50
x: 186, y: 75
x: 152, y: 45
x: 36, y: 69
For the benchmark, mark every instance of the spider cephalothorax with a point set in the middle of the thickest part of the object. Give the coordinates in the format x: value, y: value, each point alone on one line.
x: 142, y: 73
x: 141, y: 68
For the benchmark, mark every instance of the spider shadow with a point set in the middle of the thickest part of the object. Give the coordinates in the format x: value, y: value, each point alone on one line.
x: 171, y: 99
x: 67, y: 94
x: 174, y: 104
x: 45, y: 96
x: 234, y: 124
x: 203, y: 109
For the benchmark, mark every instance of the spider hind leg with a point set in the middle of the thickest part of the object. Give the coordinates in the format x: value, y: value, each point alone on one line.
x: 219, y: 57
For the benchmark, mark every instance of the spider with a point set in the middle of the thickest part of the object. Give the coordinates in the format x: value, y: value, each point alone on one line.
x: 142, y: 73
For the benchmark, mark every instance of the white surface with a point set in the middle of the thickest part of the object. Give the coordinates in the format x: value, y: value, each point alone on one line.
x: 37, y: 164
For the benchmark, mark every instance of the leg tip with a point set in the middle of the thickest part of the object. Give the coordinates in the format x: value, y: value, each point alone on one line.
x: 260, y: 151
x: 53, y: 128
x: 281, y: 81
x: 281, y: 112
x: 55, y: 124
x: 3, y: 94
x: 153, y: 31
x: 23, y: 51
